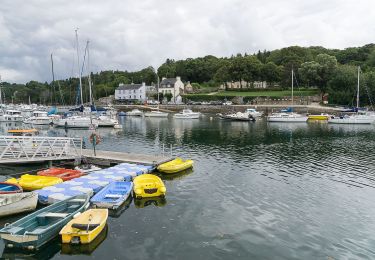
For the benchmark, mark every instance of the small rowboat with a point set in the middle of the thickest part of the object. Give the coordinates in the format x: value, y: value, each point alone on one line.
x: 64, y: 174
x: 148, y: 185
x: 34, y: 182
x: 175, y: 165
x: 17, y: 202
x: 113, y: 195
x: 8, y: 188
x: 85, y: 228
x: 36, y: 229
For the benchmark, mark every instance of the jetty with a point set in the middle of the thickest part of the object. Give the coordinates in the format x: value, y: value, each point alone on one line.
x: 110, y: 157
x: 37, y: 149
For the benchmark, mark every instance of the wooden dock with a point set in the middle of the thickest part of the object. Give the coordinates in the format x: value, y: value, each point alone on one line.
x: 110, y: 157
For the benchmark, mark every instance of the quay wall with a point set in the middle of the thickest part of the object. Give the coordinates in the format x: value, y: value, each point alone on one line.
x: 232, y: 108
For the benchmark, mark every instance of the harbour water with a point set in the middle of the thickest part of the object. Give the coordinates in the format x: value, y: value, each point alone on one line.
x: 257, y: 191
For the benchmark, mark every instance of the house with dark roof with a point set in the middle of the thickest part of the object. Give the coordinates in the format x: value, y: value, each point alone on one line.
x: 172, y: 86
x: 131, y: 92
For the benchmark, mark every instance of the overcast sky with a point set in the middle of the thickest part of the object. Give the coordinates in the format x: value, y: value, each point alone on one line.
x: 130, y: 35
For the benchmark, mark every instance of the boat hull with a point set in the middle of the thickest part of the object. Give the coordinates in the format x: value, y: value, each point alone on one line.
x: 148, y: 185
x: 175, y: 166
x: 318, y: 117
x: 113, y: 196
x: 36, y: 229
x: 93, y: 216
x: 161, y: 115
x: 182, y: 116
x: 350, y: 121
x: 33, y: 182
x: 11, y: 204
x: 287, y: 119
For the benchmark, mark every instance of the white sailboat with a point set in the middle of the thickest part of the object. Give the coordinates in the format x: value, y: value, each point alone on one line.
x: 358, y: 118
x: 81, y: 120
x: 290, y: 117
x: 157, y: 113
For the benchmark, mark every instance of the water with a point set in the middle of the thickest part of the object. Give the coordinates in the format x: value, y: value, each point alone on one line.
x: 257, y: 191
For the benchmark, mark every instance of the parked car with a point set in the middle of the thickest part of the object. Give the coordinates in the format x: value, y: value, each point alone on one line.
x: 228, y: 103
x: 216, y: 103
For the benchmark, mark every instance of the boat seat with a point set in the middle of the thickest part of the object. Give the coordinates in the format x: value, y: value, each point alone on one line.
x: 85, y: 226
x: 56, y: 215
x: 113, y: 196
x: 38, y: 231
x: 15, y: 230
x: 73, y: 207
x: 42, y: 217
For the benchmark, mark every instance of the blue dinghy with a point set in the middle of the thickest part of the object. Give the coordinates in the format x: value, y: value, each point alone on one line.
x: 113, y: 195
x: 7, y: 188
x: 36, y: 229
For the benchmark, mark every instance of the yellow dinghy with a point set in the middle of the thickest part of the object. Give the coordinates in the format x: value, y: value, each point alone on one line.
x: 34, y: 182
x: 175, y: 165
x: 148, y: 185
x: 84, y: 228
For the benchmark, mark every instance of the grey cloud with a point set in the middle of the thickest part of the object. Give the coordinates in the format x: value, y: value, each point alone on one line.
x: 130, y: 35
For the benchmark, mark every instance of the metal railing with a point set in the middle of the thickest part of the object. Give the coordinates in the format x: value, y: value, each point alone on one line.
x: 35, y: 148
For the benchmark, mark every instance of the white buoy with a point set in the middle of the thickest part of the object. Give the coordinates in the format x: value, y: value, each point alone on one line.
x: 117, y: 126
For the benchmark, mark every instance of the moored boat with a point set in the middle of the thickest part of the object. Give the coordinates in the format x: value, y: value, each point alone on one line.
x: 34, y: 182
x: 187, y: 114
x: 36, y: 229
x: 85, y: 228
x: 287, y: 117
x: 113, y: 195
x: 175, y: 165
x: 39, y: 118
x: 148, y: 185
x: 322, y: 116
x: 134, y: 112
x: 64, y: 174
x: 156, y: 113
x: 17, y: 202
x: 9, y: 188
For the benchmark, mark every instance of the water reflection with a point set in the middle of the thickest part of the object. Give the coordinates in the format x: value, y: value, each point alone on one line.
x: 48, y: 251
x: 156, y: 201
x: 85, y: 249
x: 175, y: 176
x: 118, y: 212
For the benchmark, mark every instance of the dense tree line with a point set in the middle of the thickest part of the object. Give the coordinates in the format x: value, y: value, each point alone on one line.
x: 333, y: 71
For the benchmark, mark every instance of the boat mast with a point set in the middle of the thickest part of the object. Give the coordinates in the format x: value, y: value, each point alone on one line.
x: 89, y: 76
x: 358, y: 89
x: 292, y: 85
x: 1, y: 99
x: 79, y: 73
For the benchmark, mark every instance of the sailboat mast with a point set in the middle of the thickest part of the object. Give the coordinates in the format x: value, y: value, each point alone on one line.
x: 89, y: 76
x: 1, y: 99
x: 358, y: 89
x: 53, y: 80
x: 292, y: 85
x: 79, y: 73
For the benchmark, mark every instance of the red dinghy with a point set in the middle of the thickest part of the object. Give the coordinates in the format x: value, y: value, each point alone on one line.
x: 64, y: 174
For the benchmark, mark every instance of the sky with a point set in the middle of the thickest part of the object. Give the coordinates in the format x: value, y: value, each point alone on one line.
x: 131, y: 35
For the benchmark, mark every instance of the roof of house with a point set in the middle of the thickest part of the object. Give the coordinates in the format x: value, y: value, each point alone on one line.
x: 168, y: 81
x: 129, y: 86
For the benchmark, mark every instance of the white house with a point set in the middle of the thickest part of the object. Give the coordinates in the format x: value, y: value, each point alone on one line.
x: 173, y: 86
x: 131, y: 92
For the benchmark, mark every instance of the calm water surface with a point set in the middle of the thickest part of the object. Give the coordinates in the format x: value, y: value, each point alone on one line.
x: 257, y: 191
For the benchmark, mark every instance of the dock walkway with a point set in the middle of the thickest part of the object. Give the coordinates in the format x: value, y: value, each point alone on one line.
x: 110, y: 157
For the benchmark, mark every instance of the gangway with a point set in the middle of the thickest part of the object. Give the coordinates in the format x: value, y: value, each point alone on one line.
x: 27, y: 149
